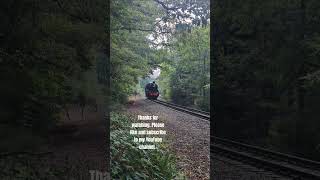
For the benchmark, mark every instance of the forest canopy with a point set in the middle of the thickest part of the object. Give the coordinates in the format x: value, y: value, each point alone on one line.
x: 168, y: 35
x: 45, y: 47
x: 266, y: 73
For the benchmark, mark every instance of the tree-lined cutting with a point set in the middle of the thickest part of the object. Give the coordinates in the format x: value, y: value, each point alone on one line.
x: 166, y: 41
x: 265, y: 57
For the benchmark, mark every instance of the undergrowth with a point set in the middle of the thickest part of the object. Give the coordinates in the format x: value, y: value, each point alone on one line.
x: 129, y: 162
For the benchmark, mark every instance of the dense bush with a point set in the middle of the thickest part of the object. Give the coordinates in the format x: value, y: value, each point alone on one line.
x: 266, y: 73
x: 129, y: 162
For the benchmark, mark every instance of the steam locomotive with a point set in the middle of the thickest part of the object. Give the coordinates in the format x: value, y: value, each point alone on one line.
x: 151, y: 91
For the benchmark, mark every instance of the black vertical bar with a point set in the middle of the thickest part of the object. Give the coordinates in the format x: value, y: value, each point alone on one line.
x: 211, y: 83
x: 107, y: 83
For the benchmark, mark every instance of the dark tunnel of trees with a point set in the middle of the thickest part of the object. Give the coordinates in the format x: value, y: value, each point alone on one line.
x: 266, y: 70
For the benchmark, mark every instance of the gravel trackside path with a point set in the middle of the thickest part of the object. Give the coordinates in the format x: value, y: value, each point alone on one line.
x: 189, y: 139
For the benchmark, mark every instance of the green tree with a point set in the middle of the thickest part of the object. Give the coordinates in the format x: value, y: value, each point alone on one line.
x: 263, y: 57
x: 44, y: 47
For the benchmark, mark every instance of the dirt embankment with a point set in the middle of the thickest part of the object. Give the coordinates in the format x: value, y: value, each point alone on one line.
x: 80, y: 145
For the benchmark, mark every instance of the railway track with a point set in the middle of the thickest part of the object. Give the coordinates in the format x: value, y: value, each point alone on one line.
x: 191, y: 111
x: 280, y: 163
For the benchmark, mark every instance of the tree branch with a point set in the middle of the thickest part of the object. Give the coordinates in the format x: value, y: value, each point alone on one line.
x: 85, y: 20
x: 24, y: 153
x: 140, y: 29
x: 313, y: 64
x: 165, y: 6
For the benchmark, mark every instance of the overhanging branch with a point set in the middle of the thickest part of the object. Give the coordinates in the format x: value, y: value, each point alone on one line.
x: 83, y: 19
x: 140, y: 29
x: 165, y: 6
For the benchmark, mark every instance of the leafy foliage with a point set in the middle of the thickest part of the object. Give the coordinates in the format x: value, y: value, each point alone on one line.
x: 156, y: 34
x: 45, y: 47
x: 185, y: 78
x: 129, y: 162
x: 131, y: 21
x: 265, y: 73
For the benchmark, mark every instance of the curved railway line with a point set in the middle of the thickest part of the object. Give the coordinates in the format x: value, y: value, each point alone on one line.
x: 280, y: 163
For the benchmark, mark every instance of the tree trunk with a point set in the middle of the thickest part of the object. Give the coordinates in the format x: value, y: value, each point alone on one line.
x: 82, y: 112
x: 66, y: 109
x: 300, y: 86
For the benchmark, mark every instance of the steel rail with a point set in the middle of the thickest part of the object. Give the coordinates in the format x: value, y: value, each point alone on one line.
x: 191, y: 111
x: 278, y: 156
x: 267, y: 164
x: 281, y: 163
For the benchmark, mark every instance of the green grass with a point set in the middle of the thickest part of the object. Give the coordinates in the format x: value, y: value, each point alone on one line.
x: 129, y: 162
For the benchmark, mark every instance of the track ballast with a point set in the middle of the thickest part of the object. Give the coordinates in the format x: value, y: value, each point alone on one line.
x: 280, y: 163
